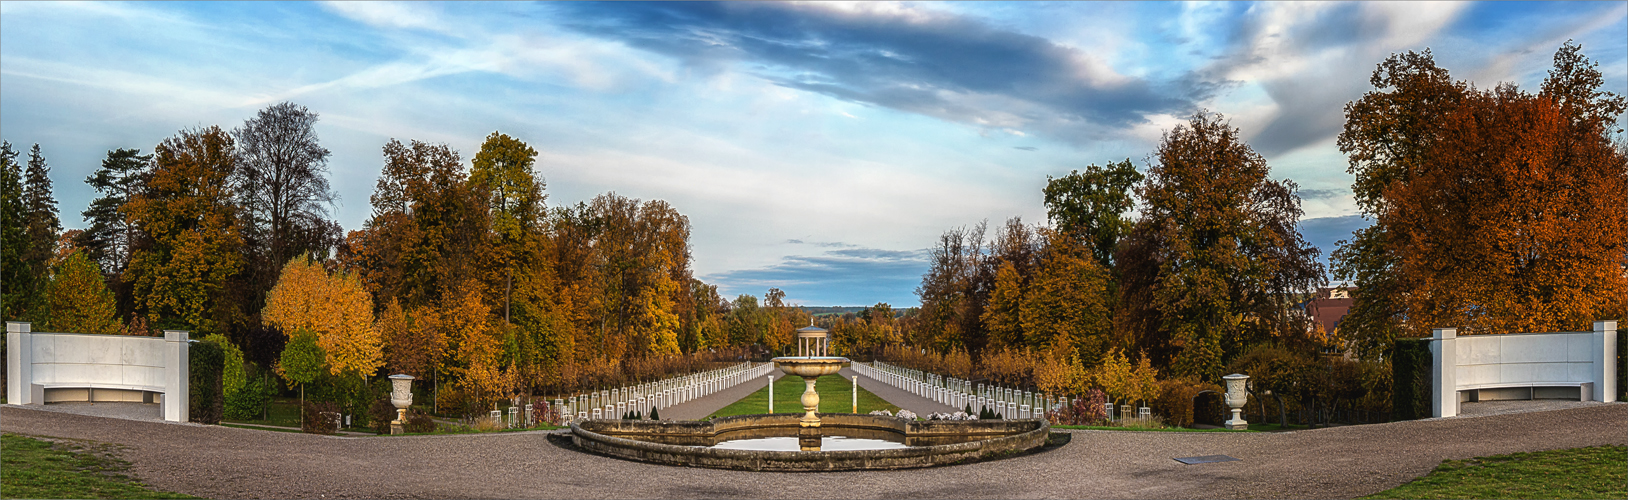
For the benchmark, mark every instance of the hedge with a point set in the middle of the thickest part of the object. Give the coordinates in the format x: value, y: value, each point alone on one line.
x: 206, y: 364
x: 1410, y: 364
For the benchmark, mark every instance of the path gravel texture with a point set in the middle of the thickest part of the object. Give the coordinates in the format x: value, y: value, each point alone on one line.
x: 1339, y: 462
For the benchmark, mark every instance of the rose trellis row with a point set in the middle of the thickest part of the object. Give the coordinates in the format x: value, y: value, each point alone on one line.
x: 615, y: 402
x: 961, y: 394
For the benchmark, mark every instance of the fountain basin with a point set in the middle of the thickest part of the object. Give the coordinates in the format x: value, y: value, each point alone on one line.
x: 810, y: 366
x: 691, y: 443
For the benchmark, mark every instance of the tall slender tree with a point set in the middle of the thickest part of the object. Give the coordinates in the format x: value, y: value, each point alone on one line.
x: 503, y: 172
x: 43, y: 228
x: 16, y: 279
x: 107, y: 241
x: 281, y: 183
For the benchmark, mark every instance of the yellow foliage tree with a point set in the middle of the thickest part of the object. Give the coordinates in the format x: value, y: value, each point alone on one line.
x: 335, y: 307
x: 80, y: 301
x: 1114, y: 374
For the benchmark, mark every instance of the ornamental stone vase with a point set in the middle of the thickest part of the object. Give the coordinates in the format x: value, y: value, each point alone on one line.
x: 1237, y: 396
x: 401, y: 396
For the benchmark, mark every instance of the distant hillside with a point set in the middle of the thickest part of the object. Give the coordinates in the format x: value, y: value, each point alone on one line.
x: 841, y: 310
x: 837, y: 310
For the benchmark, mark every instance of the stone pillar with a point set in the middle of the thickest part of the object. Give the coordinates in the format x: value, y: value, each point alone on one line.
x: 176, y: 368
x: 771, y: 392
x: 1604, y: 356
x: 20, y: 364
x: 1444, y: 373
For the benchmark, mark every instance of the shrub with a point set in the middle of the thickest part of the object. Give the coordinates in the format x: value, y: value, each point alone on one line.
x: 380, y: 414
x: 653, y: 414
x: 316, y: 418
x: 247, y: 402
x: 419, y: 424
x: 1083, y: 411
x: 1175, y: 401
x: 1410, y: 365
x: 205, y: 362
x: 232, y: 376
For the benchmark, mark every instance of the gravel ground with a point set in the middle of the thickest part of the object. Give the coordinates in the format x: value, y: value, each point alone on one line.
x: 1339, y: 462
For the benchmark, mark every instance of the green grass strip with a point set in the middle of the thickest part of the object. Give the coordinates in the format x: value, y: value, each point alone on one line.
x: 1592, y: 472
x: 32, y: 468
x: 835, y: 397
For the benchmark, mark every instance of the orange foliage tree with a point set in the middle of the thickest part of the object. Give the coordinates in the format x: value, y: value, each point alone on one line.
x: 1498, y: 210
x: 181, y: 270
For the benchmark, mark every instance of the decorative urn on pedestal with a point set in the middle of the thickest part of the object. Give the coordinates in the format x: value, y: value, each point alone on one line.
x: 401, y: 396
x: 1237, y: 395
x: 810, y: 363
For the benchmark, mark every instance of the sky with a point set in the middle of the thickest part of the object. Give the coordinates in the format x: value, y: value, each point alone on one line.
x: 819, y: 148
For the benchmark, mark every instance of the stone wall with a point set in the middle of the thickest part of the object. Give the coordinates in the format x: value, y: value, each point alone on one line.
x: 1570, y: 365
x: 61, y: 367
x: 680, y: 443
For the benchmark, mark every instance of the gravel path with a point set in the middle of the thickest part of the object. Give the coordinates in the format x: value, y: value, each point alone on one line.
x: 1341, y: 462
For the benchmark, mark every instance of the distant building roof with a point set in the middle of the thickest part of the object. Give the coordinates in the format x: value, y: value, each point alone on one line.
x: 812, y: 331
x: 1329, y: 306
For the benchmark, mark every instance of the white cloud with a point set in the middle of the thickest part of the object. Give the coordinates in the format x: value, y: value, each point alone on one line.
x: 404, y: 15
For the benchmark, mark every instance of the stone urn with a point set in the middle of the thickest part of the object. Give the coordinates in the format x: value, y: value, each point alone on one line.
x: 810, y: 368
x: 1237, y: 395
x: 401, y: 396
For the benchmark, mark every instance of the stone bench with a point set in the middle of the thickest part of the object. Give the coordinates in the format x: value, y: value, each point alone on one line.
x: 1581, y: 391
x: 46, y: 367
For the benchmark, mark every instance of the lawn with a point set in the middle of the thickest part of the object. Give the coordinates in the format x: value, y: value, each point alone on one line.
x: 32, y: 468
x: 284, y: 412
x: 788, y: 392
x: 1593, y: 472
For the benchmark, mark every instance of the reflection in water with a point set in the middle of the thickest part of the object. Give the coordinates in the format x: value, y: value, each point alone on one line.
x: 827, y: 443
x: 790, y: 434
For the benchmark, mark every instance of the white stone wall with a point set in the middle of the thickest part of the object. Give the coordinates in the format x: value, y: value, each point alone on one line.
x: 1525, y: 360
x: 67, y: 363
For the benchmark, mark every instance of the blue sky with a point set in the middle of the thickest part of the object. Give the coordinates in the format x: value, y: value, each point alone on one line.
x: 819, y: 148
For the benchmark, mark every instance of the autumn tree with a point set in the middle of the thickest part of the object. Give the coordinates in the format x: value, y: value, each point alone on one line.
x: 1496, y: 210
x: 427, y: 230
x: 281, y: 185
x: 1066, y: 305
x: 702, y: 319
x: 1092, y: 206
x: 78, y: 300
x: 1387, y: 135
x: 1229, y: 256
x: 503, y: 171
x: 641, y: 247
x: 192, y: 245
x: 955, y: 291
x: 335, y: 308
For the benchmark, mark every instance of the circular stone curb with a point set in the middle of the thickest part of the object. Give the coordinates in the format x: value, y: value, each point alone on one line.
x: 1006, y: 437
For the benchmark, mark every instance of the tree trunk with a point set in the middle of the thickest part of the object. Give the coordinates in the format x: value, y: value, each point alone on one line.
x: 1283, y: 413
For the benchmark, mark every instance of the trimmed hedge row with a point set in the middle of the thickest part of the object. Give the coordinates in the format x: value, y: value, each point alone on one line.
x: 205, y: 376
x: 1410, y: 370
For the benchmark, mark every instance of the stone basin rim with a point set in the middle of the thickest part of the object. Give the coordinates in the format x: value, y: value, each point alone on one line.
x: 1032, y: 433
